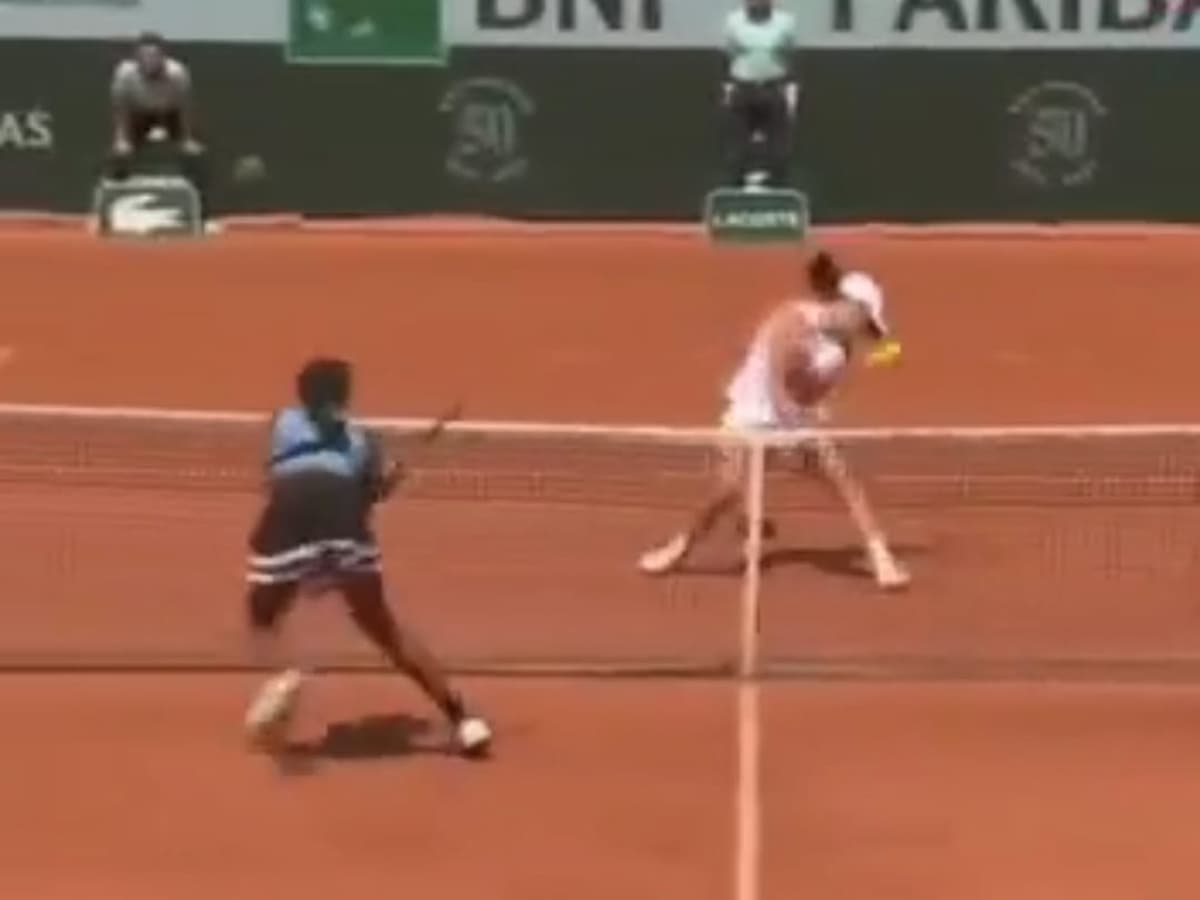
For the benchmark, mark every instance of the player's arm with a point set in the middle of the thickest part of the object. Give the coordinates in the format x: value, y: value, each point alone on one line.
x: 121, y: 109
x: 269, y: 452
x: 381, y: 473
x: 788, y: 334
x: 733, y: 46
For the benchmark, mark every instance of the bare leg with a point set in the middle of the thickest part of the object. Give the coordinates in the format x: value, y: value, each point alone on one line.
x: 833, y: 466
x: 274, y: 704
x: 267, y: 605
x: 368, y: 607
x: 726, y: 497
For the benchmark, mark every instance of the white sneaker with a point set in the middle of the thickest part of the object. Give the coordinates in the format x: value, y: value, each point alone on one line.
x: 272, y: 710
x: 889, y: 574
x: 663, y: 559
x: 473, y: 736
x: 212, y: 227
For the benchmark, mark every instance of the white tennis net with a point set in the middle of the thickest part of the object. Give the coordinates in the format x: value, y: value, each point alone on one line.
x: 1034, y: 550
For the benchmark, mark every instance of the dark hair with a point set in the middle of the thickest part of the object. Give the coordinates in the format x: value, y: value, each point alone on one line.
x: 323, y: 388
x: 150, y: 39
x: 824, y: 274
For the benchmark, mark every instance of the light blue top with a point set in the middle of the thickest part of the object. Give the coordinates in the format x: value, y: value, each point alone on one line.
x: 758, y: 50
x: 296, y: 447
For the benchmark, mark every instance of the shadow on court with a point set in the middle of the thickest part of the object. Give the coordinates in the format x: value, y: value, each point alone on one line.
x: 847, y: 561
x: 369, y: 739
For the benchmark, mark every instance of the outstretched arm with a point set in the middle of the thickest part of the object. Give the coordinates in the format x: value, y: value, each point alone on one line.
x: 382, y: 473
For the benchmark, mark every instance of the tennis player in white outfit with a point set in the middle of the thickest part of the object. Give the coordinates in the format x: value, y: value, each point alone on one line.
x: 798, y: 356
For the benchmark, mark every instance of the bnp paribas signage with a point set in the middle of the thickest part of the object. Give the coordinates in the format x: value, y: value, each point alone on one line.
x: 917, y: 24
x: 399, y: 30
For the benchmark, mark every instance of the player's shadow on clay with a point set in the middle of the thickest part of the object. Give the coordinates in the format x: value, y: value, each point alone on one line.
x: 367, y: 739
x: 847, y: 561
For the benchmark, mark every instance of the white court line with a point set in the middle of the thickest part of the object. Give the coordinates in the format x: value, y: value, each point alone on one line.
x: 747, y: 837
x: 747, y: 850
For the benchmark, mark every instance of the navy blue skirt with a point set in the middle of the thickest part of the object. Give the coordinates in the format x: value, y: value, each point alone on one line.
x: 314, y: 525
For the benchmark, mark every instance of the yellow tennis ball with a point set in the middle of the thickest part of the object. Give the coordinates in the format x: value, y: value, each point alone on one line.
x: 887, y: 354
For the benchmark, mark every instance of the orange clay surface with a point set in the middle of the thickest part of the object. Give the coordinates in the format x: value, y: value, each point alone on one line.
x: 135, y: 787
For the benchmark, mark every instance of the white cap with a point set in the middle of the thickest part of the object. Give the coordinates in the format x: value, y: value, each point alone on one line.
x: 865, y: 291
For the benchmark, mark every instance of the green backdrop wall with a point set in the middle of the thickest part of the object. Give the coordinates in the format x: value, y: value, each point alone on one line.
x: 591, y: 133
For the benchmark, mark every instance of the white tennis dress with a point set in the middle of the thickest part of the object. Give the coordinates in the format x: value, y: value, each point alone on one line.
x: 749, y: 405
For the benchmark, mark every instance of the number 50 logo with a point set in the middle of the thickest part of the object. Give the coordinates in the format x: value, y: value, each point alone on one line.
x: 487, y: 123
x: 1058, y: 134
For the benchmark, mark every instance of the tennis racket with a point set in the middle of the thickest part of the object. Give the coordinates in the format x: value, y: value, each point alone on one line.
x: 394, y: 472
x: 438, y: 427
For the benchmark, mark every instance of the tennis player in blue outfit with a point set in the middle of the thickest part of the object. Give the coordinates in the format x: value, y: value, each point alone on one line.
x: 325, y: 474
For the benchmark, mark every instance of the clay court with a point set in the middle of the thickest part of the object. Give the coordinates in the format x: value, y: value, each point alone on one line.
x: 894, y: 769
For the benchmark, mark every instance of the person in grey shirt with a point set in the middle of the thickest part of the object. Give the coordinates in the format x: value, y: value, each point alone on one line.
x: 152, y: 101
x: 760, y: 95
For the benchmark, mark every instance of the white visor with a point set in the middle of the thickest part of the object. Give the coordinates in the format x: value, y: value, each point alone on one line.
x: 865, y: 291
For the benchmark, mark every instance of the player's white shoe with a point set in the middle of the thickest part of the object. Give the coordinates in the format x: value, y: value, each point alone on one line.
x: 272, y: 710
x: 663, y: 559
x: 473, y: 736
x: 889, y: 574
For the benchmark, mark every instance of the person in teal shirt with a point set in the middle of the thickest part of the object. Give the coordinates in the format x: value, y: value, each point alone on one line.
x: 760, y: 94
